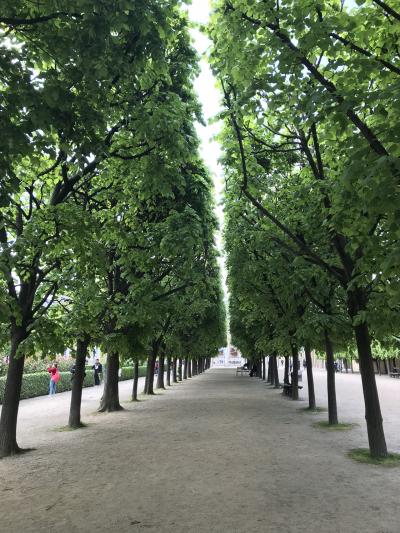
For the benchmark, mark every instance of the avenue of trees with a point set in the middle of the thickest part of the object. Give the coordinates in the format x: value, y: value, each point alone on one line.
x: 311, y: 145
x: 106, y: 212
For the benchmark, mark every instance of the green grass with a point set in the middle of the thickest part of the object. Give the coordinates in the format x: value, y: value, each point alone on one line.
x: 362, y: 455
x: 333, y: 427
x: 314, y: 411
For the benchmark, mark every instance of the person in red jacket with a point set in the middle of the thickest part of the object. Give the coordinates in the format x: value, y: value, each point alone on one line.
x: 54, y: 378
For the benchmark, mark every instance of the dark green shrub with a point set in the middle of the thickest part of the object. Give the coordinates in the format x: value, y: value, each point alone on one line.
x: 127, y: 372
x: 37, y: 384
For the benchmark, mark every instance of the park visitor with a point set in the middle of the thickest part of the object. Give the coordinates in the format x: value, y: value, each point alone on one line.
x: 54, y: 378
x: 98, y: 371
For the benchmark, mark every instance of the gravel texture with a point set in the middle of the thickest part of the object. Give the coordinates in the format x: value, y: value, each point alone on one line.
x: 217, y: 453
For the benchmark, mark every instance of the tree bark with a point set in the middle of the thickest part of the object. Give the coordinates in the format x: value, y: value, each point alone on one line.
x: 12, y: 392
x: 295, y: 373
x: 174, y: 371
x: 286, y: 371
x: 180, y: 369
x: 373, y: 416
x: 190, y: 368
x: 168, y: 371
x: 270, y: 369
x: 310, y: 378
x: 194, y: 367
x: 135, y: 381
x: 161, y: 369
x: 276, y: 374
x: 263, y: 368
x: 74, y: 420
x: 185, y: 369
x: 330, y: 376
x: 149, y: 383
x: 110, y: 400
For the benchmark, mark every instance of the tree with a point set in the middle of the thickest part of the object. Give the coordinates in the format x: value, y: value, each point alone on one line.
x: 309, y: 102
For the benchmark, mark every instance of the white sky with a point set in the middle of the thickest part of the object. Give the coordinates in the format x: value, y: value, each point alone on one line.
x: 209, y: 97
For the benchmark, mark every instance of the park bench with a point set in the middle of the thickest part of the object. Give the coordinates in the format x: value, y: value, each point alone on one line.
x: 287, y: 389
x: 241, y: 370
x: 395, y: 373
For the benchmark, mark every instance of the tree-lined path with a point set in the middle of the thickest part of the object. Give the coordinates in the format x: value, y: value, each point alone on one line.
x: 217, y: 453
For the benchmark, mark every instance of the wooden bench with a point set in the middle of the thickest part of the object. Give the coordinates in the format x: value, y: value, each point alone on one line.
x: 287, y: 389
x: 242, y: 371
x: 395, y: 374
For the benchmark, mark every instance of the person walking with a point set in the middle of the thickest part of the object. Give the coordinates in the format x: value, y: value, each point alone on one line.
x: 98, y: 371
x: 54, y: 378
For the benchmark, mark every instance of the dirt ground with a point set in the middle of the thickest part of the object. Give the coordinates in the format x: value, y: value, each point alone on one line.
x: 217, y: 453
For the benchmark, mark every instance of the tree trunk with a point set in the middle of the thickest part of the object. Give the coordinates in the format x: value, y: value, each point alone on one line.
x: 161, y: 369
x: 330, y: 373
x: 174, y: 371
x: 135, y: 381
x: 270, y: 370
x: 275, y: 372
x: 168, y: 371
x: 189, y: 368
x: 310, y: 378
x: 74, y: 420
x: 9, y: 413
x: 110, y: 400
x: 386, y: 366
x: 194, y: 368
x: 149, y: 384
x: 373, y: 416
x: 180, y: 368
x: 286, y: 371
x: 185, y: 369
x: 295, y: 373
x: 263, y: 368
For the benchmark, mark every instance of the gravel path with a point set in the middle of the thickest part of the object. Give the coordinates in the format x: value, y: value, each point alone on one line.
x: 217, y: 453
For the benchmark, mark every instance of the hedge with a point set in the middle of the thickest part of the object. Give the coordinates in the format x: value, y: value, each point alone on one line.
x: 37, y: 384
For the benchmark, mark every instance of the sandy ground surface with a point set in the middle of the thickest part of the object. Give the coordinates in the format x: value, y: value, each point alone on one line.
x: 217, y: 453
